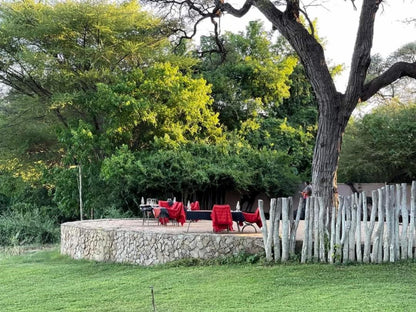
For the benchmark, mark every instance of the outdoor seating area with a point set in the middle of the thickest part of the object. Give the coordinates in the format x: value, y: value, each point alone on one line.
x: 222, y: 217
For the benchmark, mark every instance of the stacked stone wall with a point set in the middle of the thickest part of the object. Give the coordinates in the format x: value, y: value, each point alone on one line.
x: 80, y: 240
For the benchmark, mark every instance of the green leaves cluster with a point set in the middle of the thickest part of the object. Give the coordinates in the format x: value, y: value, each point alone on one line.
x: 380, y: 146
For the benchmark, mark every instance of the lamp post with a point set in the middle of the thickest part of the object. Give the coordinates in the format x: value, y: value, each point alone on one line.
x: 79, y: 180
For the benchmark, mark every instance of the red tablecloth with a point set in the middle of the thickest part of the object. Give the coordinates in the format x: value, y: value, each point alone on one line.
x: 221, y: 218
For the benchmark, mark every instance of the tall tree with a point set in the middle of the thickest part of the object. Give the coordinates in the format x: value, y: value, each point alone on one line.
x: 252, y: 77
x: 335, y: 108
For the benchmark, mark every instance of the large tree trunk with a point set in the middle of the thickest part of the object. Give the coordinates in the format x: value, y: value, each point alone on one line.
x: 327, y: 150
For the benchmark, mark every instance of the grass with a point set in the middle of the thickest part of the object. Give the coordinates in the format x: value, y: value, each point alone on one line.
x: 47, y: 281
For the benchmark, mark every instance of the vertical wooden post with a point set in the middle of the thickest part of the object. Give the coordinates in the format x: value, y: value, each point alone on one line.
x: 310, y: 202
x: 338, y: 230
x: 276, y: 227
x: 412, y: 220
x: 353, y: 228
x: 285, y: 230
x: 331, y: 253
x: 405, y: 221
x: 81, y: 205
x: 387, y: 236
x: 270, y: 231
x: 294, y: 228
x: 264, y: 230
x: 369, y: 227
x: 378, y: 239
x: 359, y: 201
x: 315, y: 229
x: 322, y: 229
x: 305, y: 244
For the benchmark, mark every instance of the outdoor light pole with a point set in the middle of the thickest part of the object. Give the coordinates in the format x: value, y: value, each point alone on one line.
x: 79, y: 180
x: 80, y: 191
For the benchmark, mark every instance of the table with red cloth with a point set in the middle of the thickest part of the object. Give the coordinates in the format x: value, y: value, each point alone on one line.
x: 174, y: 212
x: 192, y: 215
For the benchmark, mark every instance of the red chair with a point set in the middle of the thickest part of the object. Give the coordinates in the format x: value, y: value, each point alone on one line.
x: 176, y: 212
x: 221, y: 218
x: 195, y: 205
x: 251, y: 219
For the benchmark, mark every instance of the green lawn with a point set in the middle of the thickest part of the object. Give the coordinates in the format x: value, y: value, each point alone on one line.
x: 46, y: 281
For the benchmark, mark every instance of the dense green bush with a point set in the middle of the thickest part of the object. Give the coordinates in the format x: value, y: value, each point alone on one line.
x: 22, y: 225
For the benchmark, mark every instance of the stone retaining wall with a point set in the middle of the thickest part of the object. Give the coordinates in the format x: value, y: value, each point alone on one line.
x: 83, y: 240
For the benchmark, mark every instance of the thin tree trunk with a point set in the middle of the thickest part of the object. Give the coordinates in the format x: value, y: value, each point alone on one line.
x: 295, y: 226
x: 405, y: 221
x: 388, y: 233
x: 359, y: 200
x: 397, y: 212
x: 412, y: 220
x: 353, y: 227
x: 265, y: 232
x: 322, y: 209
x: 331, y: 254
x: 306, y: 238
x: 369, y: 227
x: 276, y: 233
x: 315, y: 229
x: 285, y: 230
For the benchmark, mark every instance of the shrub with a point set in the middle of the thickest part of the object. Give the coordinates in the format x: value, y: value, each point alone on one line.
x: 27, y: 226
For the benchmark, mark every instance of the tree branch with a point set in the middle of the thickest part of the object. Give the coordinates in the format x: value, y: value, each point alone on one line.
x: 226, y: 7
x: 395, y: 72
x: 361, y: 56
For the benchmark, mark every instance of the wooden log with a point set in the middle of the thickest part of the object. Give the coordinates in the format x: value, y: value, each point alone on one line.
x: 378, y: 238
x: 305, y: 245
x: 285, y: 230
x: 338, y: 245
x: 294, y: 229
x: 389, y: 223
x: 396, y: 205
x: 310, y: 202
x: 276, y: 231
x: 321, y: 230
x: 369, y: 226
x: 353, y: 228
x: 405, y: 222
x: 412, y: 221
x: 345, y: 229
x: 359, y: 199
x: 315, y: 229
x: 264, y: 230
x: 333, y: 236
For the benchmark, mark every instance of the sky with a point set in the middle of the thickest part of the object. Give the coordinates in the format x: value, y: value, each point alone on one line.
x: 337, y: 24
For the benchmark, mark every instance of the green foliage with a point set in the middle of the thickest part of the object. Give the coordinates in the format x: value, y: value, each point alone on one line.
x: 25, y: 224
x: 380, y: 146
x: 157, y: 105
x: 252, y: 78
x: 197, y: 168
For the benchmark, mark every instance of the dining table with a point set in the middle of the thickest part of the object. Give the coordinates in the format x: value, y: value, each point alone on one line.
x: 195, y: 215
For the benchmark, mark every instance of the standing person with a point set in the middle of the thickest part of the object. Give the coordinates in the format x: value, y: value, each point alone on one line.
x: 307, y: 192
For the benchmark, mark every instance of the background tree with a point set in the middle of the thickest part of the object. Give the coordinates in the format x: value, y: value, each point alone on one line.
x: 335, y: 108
x: 379, y: 147
x: 251, y: 78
